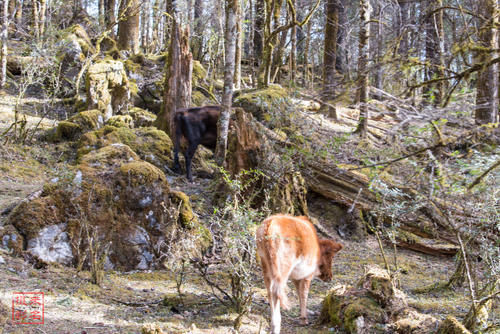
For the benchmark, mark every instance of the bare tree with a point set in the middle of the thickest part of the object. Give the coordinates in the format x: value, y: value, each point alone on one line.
x: 230, y: 48
x: 330, y: 55
x: 487, y: 81
x: 364, y: 33
x: 3, y: 56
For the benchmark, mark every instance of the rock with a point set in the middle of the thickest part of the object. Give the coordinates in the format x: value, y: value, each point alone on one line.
x: 451, y: 325
x: 2, y: 260
x: 259, y: 102
x: 141, y: 117
x: 151, y: 144
x: 125, y: 200
x: 76, y: 125
x: 151, y: 329
x: 108, y: 88
x: 74, y: 46
x: 374, y: 305
x: 121, y: 121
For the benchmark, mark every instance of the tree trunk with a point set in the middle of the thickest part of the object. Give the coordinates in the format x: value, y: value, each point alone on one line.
x: 433, y: 53
x: 109, y: 15
x: 19, y: 14
x: 102, y: 14
x: 230, y: 48
x: 156, y: 39
x: 197, y: 39
x: 378, y: 43
x: 145, y: 25
x: 330, y: 55
x: 36, y: 25
x: 306, y: 81
x: 341, y: 33
x: 179, y: 70
x: 128, y: 28
x: 364, y: 33
x: 3, y: 56
x: 258, y: 37
x: 293, y: 53
x: 278, y: 58
x: 487, y: 81
x: 237, y: 59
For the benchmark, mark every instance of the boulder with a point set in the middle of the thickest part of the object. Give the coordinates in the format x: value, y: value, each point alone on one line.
x: 78, y: 124
x: 259, y: 102
x: 451, y: 325
x: 113, y: 194
x: 374, y: 305
x: 151, y: 144
x: 108, y: 88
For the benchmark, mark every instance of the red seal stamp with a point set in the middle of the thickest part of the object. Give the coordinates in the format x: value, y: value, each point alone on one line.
x: 27, y: 308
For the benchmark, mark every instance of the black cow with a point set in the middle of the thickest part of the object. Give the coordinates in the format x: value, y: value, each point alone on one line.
x: 197, y: 126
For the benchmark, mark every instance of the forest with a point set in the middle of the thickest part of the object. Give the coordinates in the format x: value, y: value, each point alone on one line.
x: 143, y: 143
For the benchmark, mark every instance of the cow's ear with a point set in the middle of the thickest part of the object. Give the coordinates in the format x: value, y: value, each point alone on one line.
x: 337, y: 247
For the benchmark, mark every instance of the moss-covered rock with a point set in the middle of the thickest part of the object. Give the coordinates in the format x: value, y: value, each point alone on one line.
x: 141, y: 117
x: 374, y: 305
x: 259, y: 102
x: 114, y: 193
x: 121, y: 121
x: 11, y: 240
x: 451, y: 325
x: 149, y: 143
x: 66, y: 131
x: 199, y: 73
x: 107, y: 87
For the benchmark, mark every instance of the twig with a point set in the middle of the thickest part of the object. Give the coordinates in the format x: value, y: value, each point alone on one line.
x: 480, y: 177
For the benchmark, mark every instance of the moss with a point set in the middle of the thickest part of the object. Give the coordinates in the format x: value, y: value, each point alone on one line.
x: 141, y: 117
x: 88, y: 120
x: 451, y: 325
x: 121, y: 121
x: 11, y: 239
x: 141, y: 172
x: 83, y: 38
x: 30, y: 217
x: 198, y: 98
x: 258, y: 102
x: 199, y: 73
x: 186, y: 216
x: 131, y: 66
x: 363, y: 306
x: 67, y: 130
x: 108, y: 155
x: 331, y: 309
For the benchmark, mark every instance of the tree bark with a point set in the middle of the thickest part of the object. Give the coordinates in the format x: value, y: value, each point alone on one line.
x: 145, y: 25
x: 230, y: 48
x: 433, y: 52
x: 36, y: 24
x: 237, y: 59
x: 293, y: 53
x: 330, y: 55
x: 364, y: 33
x: 306, y: 80
x: 488, y: 82
x: 3, y: 56
x: 109, y: 15
x: 258, y: 37
x: 179, y: 69
x: 128, y: 28
x: 197, y: 39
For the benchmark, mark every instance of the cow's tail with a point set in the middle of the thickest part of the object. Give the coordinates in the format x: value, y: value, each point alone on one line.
x: 278, y: 289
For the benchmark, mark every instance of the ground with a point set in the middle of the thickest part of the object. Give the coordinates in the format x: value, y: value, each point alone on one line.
x: 128, y: 301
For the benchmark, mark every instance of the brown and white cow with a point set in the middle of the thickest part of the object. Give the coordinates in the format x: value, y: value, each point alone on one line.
x: 289, y: 247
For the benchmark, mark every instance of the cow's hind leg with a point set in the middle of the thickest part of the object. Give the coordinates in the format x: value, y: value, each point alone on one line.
x: 302, y: 287
x: 189, y: 157
x: 274, y: 301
